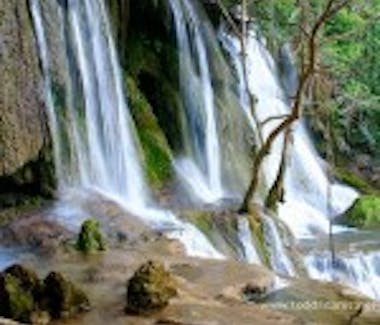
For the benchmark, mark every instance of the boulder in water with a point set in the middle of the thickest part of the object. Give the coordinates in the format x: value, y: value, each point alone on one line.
x: 150, y: 289
x: 62, y: 298
x: 15, y: 302
x: 90, y: 237
x: 364, y: 213
x: 27, y: 278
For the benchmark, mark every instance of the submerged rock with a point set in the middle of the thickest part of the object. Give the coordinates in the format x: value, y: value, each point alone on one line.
x: 150, y: 288
x: 62, y: 298
x: 365, y: 212
x: 90, y: 237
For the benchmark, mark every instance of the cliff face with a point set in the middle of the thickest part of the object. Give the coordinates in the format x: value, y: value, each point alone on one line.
x: 22, y: 129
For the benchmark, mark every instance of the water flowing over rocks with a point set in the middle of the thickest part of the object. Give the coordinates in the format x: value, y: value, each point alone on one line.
x: 153, y: 138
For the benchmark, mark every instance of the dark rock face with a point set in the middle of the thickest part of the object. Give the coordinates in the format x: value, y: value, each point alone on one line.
x: 62, y: 298
x: 150, y: 289
x: 22, y: 129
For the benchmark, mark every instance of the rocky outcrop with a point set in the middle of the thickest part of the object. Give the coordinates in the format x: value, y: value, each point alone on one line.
x: 22, y: 129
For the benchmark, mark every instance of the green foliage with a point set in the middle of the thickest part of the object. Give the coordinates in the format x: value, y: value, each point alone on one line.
x: 90, y: 238
x: 347, y: 53
x: 364, y: 213
x: 351, y: 47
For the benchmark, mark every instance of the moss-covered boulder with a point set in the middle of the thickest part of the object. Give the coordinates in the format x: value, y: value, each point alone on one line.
x: 62, y: 298
x: 90, y: 238
x: 28, y: 280
x: 364, y: 213
x: 15, y: 302
x: 150, y: 288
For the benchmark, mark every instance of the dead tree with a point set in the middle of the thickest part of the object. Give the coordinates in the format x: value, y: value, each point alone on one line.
x: 307, y: 70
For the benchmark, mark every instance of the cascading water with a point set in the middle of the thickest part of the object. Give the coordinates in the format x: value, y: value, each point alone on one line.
x: 307, y: 207
x: 200, y: 167
x: 94, y: 138
x: 250, y: 254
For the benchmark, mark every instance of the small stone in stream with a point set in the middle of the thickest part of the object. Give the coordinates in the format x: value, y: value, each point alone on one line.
x: 150, y: 289
x: 90, y: 237
x: 254, y: 292
x: 15, y: 302
x: 62, y: 298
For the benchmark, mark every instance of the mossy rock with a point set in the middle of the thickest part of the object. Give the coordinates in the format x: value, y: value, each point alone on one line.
x: 150, y: 289
x: 62, y: 298
x: 350, y: 178
x: 156, y: 151
x: 15, y: 302
x: 364, y: 213
x: 27, y: 278
x: 90, y: 238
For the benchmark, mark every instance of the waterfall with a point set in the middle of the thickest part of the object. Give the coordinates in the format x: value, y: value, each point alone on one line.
x: 94, y: 138
x: 279, y: 259
x: 306, y: 209
x: 200, y: 165
x: 250, y: 254
x: 359, y: 270
x: 101, y: 154
x: 306, y: 182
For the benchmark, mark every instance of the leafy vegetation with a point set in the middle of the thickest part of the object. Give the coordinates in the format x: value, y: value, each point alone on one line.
x: 346, y: 90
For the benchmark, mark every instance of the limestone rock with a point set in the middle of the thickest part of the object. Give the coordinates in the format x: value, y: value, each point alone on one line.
x: 22, y: 127
x: 62, y: 298
x: 150, y: 288
x: 15, y: 302
x: 90, y: 237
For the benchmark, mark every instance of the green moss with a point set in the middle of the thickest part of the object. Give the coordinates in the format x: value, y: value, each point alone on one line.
x: 204, y: 223
x: 90, y: 238
x: 28, y: 279
x: 15, y: 302
x: 364, y: 213
x: 157, y: 155
x: 150, y: 288
x: 350, y: 178
x: 257, y: 228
